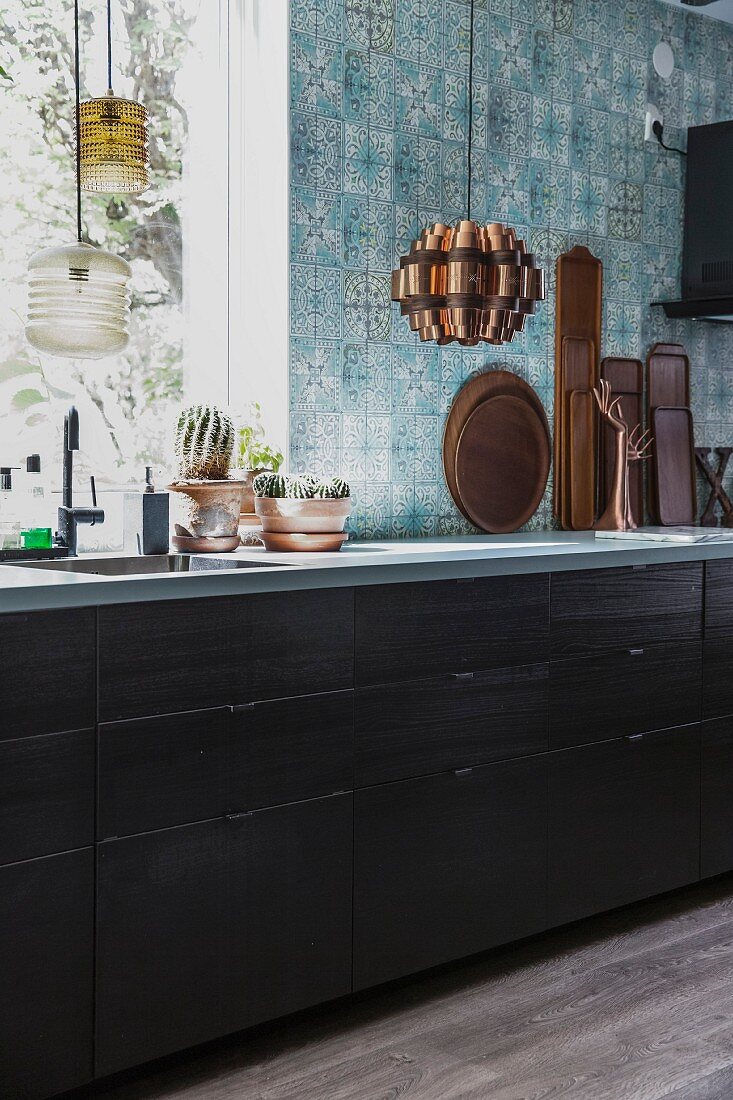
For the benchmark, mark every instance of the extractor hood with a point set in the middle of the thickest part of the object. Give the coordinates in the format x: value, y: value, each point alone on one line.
x: 707, y: 249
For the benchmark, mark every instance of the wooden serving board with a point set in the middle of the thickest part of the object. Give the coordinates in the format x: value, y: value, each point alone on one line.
x: 493, y: 383
x: 502, y: 463
x: 626, y: 379
x: 667, y: 386
x: 578, y: 320
x: 676, y: 489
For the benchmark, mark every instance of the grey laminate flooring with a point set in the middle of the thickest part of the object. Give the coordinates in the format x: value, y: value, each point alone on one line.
x: 635, y: 1004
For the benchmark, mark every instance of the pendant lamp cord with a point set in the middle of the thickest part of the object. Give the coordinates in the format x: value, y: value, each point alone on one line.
x: 109, y: 44
x: 77, y: 81
x: 470, y: 107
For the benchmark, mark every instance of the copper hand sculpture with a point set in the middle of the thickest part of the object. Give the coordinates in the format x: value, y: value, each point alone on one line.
x: 628, y: 448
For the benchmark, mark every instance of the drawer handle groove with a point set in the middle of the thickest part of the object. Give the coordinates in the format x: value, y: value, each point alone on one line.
x: 461, y: 772
x: 634, y: 736
x: 237, y: 816
x: 462, y: 677
x: 636, y: 653
x: 242, y: 708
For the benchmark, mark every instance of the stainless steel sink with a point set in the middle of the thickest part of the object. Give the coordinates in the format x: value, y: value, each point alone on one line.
x: 155, y: 563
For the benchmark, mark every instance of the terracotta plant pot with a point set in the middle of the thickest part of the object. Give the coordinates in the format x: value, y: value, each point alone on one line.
x: 248, y: 493
x: 302, y: 516
x: 212, y: 507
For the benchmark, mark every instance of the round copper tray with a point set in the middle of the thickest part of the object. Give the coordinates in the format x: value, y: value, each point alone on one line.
x: 502, y: 463
x: 292, y: 542
x: 493, y: 383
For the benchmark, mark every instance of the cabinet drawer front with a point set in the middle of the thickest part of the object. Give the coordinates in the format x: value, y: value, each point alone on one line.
x: 293, y: 749
x: 446, y: 866
x: 410, y: 631
x: 632, y: 691
x: 716, y: 794
x: 412, y: 729
x: 46, y: 795
x: 624, y: 821
x: 168, y: 770
x: 613, y: 608
x: 179, y: 768
x: 719, y: 599
x: 49, y: 670
x: 191, y: 654
x: 46, y: 960
x: 717, y: 677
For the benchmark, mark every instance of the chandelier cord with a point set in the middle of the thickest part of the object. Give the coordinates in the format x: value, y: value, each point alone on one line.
x: 470, y: 107
x: 77, y: 96
x: 109, y: 44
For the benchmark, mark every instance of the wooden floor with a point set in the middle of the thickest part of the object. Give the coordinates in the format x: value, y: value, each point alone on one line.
x: 634, y: 1005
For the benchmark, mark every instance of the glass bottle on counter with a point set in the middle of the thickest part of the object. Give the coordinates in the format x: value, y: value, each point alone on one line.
x: 10, y: 520
x: 35, y: 533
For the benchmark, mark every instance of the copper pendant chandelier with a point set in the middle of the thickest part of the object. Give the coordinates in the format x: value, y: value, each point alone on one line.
x: 469, y: 283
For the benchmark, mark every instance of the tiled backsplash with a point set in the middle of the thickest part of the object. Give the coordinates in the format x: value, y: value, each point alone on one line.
x: 379, y: 106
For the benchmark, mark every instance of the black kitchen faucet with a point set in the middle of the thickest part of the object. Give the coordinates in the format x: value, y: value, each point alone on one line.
x: 69, y: 516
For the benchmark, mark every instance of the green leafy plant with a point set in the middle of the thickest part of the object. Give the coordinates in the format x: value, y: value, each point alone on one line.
x: 204, y: 443
x: 253, y: 453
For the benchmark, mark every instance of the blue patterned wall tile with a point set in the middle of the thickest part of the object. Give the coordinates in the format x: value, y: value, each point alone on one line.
x: 698, y: 100
x: 509, y: 120
x: 315, y: 226
x: 592, y: 20
x: 508, y: 188
x: 315, y: 442
x: 315, y: 152
x: 315, y: 301
x: 552, y: 65
x: 414, y: 510
x: 456, y: 107
x: 625, y: 202
x: 628, y: 84
x: 418, y: 98
x: 457, y: 37
x: 588, y: 202
x: 369, y: 88
x: 316, y: 75
x: 551, y: 121
x: 662, y: 215
x: 315, y: 376
x: 366, y: 375
x: 589, y: 138
x: 662, y: 167
x: 366, y: 446
x: 511, y: 54
x: 367, y: 232
x: 624, y: 270
x: 667, y: 95
x: 723, y: 98
x: 366, y: 306
x: 549, y: 198
x: 415, y: 372
x: 417, y: 170
x: 368, y: 160
x: 626, y: 148
x: 419, y: 31
x: 629, y: 26
x: 592, y: 77
x: 455, y: 190
x: 554, y: 15
x: 622, y: 328
x: 321, y: 17
x: 414, y: 448
x: 369, y: 24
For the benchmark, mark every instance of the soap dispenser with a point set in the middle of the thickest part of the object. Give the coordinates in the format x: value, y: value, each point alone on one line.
x: 146, y: 519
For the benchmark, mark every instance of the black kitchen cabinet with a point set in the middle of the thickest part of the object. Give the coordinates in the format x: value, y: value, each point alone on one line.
x: 624, y: 692
x: 178, y: 655
x: 716, y: 797
x: 448, y: 865
x: 411, y: 631
x: 624, y: 821
x: 48, y: 672
x: 175, y: 769
x: 600, y: 609
x: 210, y: 927
x: 46, y: 794
x: 412, y: 729
x: 46, y: 980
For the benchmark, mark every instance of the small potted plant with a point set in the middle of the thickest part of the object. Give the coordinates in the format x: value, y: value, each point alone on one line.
x: 253, y: 455
x: 302, y: 505
x: 204, y: 445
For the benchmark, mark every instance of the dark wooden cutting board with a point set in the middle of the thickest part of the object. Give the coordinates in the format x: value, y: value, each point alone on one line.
x: 676, y: 490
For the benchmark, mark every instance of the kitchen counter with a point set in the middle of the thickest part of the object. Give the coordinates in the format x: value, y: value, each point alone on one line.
x: 359, y: 563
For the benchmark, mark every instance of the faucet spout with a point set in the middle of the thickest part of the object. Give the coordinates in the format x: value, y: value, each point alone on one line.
x: 69, y: 516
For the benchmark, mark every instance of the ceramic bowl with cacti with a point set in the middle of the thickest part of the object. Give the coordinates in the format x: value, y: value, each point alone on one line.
x: 301, y: 504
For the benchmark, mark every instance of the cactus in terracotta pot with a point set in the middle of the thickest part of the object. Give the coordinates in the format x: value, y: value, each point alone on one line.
x: 204, y: 444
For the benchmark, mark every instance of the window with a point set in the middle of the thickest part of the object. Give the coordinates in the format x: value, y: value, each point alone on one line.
x: 202, y: 318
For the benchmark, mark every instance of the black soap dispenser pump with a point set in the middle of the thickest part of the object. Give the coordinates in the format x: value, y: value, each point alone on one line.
x: 146, y: 519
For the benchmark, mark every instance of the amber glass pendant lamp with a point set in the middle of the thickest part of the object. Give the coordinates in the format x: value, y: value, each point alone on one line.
x: 78, y: 302
x: 113, y: 138
x: 468, y: 283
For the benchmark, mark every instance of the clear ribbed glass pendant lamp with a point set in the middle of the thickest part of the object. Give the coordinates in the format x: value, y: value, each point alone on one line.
x: 78, y: 302
x: 113, y: 139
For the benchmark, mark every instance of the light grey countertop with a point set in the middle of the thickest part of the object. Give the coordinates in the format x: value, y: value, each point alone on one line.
x: 358, y: 563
